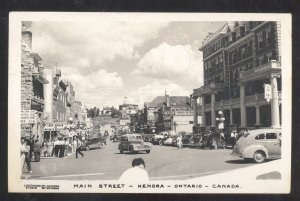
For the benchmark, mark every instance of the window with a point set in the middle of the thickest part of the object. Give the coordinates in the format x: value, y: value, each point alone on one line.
x: 260, y: 137
x: 238, y: 32
x: 230, y: 37
x: 247, y: 27
x: 233, y: 57
x: 243, y: 50
x: 269, y: 57
x: 220, y: 58
x: 221, y: 77
x: 268, y: 35
x: 271, y: 136
x: 260, y: 40
x: 261, y: 60
x: 191, y: 122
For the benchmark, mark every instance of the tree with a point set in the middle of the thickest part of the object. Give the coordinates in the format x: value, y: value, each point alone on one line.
x: 115, y: 112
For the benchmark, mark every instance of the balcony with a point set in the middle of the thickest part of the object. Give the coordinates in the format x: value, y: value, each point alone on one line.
x: 261, y: 72
x: 37, y: 74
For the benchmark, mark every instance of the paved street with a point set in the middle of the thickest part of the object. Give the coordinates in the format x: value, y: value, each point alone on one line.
x: 163, y: 163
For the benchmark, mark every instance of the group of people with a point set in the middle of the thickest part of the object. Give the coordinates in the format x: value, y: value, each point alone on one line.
x: 61, y: 146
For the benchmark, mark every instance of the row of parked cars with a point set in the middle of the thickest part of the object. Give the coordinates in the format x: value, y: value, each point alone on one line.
x: 255, y: 145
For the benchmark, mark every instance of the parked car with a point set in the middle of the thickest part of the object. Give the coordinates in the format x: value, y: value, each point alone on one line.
x: 116, y: 138
x: 171, y: 140
x: 187, y: 140
x: 92, y: 143
x: 160, y: 137
x: 259, y: 145
x: 134, y: 143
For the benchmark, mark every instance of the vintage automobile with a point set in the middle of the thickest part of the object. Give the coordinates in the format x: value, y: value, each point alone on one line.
x: 160, y: 137
x: 187, y: 140
x: 171, y: 140
x: 92, y: 143
x: 134, y: 143
x: 259, y: 145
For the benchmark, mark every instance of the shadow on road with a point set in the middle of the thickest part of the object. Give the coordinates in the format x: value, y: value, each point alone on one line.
x: 239, y: 162
x: 129, y: 153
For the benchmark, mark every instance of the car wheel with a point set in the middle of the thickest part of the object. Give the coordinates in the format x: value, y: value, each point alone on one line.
x: 147, y: 151
x: 160, y: 142
x: 259, y: 157
x: 121, y: 151
x: 131, y: 150
x: 87, y: 148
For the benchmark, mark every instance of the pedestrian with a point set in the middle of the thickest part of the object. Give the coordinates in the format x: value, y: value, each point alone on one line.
x: 31, y: 145
x: 24, y: 151
x: 66, y: 146
x: 56, y: 147
x: 78, y: 147
x: 37, y: 150
x: 25, y: 155
x: 61, y: 147
x: 136, y: 173
x: 209, y: 142
x: 179, y: 142
x: 222, y: 140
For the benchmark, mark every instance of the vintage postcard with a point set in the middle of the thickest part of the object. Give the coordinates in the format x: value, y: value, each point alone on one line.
x: 149, y: 102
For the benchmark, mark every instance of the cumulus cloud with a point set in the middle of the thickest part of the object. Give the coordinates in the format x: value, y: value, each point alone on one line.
x: 172, y: 62
x: 148, y: 92
x: 93, y: 89
x: 91, y: 43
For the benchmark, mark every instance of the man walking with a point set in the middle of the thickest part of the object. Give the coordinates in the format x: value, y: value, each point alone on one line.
x: 78, y: 147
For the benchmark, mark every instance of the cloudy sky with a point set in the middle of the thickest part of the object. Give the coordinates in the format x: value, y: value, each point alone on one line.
x: 111, y: 60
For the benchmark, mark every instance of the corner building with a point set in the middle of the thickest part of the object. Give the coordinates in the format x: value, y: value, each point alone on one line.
x: 238, y: 60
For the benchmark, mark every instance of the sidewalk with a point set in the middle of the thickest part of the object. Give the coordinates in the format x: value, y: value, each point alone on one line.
x: 54, y: 157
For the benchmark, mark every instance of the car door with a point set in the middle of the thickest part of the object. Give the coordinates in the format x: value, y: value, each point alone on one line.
x: 272, y: 144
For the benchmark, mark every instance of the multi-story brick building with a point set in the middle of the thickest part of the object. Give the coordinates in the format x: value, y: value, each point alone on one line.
x: 59, y: 98
x: 238, y: 60
x: 32, y: 93
x: 70, y: 101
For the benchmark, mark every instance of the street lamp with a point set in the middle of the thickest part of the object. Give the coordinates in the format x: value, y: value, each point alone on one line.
x: 221, y: 120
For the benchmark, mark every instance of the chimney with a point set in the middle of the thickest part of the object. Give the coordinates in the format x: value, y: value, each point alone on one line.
x: 27, y: 34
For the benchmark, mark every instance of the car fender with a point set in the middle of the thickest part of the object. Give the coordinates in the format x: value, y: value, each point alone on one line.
x: 249, y: 151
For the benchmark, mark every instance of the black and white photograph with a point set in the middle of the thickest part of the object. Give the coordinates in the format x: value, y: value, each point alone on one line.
x: 149, y: 102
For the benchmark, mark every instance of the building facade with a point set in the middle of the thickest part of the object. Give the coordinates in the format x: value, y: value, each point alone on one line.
x: 77, y: 111
x: 70, y: 101
x: 59, y: 98
x: 32, y: 90
x: 239, y: 60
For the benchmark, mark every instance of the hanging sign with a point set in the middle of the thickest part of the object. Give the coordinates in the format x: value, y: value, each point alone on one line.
x: 268, y: 92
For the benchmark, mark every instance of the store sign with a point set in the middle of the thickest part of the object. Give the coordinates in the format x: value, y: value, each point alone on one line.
x: 184, y: 113
x: 268, y: 92
x: 28, y: 116
x: 221, y: 125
